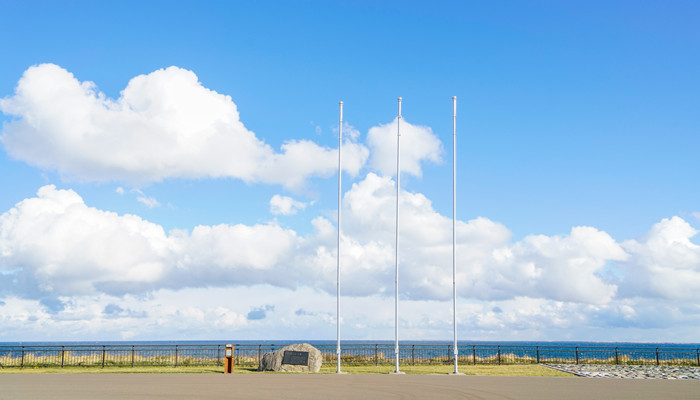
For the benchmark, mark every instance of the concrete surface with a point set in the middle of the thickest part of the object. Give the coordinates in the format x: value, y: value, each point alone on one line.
x: 357, y: 387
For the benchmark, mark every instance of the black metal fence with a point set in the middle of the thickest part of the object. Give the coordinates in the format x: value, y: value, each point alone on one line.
x: 108, y: 356
x: 352, y: 354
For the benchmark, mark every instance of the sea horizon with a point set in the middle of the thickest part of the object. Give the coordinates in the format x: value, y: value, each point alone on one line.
x: 556, y: 343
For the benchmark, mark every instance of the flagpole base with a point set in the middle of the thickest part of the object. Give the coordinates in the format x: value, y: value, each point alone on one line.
x: 457, y: 374
x: 397, y: 373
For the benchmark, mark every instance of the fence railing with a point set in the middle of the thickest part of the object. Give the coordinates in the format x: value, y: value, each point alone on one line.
x: 352, y: 354
x: 108, y: 356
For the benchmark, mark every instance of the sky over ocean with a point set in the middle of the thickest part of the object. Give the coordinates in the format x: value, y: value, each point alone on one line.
x: 169, y: 170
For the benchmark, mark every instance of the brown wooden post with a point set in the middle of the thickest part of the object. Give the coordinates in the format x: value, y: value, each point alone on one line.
x: 228, y: 364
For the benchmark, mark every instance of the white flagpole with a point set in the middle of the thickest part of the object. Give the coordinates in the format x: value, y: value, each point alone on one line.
x: 398, y: 193
x: 340, y: 175
x: 454, y: 227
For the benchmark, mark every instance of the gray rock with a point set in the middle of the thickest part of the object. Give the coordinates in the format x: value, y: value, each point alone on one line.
x: 273, y: 361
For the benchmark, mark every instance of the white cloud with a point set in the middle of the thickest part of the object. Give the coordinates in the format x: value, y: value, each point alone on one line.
x: 562, y: 268
x: 490, y: 267
x: 119, y: 190
x: 163, y: 125
x: 664, y: 263
x: 167, y: 314
x: 418, y: 144
x: 68, y: 267
x: 60, y: 246
x: 149, y: 202
x: 285, y: 205
x: 67, y: 261
x: 56, y: 245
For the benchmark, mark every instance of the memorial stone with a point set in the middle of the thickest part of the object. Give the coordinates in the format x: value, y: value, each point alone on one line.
x: 300, y: 357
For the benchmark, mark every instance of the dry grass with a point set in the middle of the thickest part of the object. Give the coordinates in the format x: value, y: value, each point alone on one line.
x: 493, y: 370
x: 114, y: 370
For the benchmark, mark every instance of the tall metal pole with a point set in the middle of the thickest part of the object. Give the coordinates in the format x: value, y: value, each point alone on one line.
x: 340, y: 177
x: 454, y: 226
x: 398, y: 194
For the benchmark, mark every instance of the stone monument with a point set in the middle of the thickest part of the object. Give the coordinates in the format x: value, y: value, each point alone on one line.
x: 300, y: 357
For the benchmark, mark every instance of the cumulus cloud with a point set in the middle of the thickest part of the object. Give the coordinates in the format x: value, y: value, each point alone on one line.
x: 284, y: 205
x: 418, y: 144
x: 73, y: 268
x: 664, y: 263
x: 309, y: 313
x: 54, y: 245
x: 491, y: 267
x: 165, y: 124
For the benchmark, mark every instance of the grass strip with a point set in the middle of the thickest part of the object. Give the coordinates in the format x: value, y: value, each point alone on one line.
x: 483, y: 370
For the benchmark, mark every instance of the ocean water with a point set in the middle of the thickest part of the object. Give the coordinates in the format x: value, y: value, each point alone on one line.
x: 402, y: 343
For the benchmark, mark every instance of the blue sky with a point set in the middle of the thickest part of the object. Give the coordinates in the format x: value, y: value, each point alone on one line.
x: 577, y: 135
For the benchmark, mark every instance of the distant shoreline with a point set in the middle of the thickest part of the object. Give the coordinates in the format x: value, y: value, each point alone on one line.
x: 351, y: 341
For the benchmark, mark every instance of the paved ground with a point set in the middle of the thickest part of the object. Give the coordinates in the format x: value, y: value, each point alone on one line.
x: 356, y: 387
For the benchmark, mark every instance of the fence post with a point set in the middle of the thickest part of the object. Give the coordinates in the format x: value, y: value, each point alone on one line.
x: 104, y: 350
x: 617, y: 357
x: 499, y: 355
x: 474, y: 354
x: 657, y: 356
x: 413, y: 355
x: 449, y: 348
x: 21, y: 365
x: 132, y: 356
x: 697, y: 356
x: 576, y: 355
x: 63, y: 351
x: 259, y: 353
x: 537, y: 351
x: 376, y: 355
x: 175, y: 356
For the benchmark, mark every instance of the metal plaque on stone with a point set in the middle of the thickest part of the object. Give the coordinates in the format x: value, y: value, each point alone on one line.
x: 295, y: 357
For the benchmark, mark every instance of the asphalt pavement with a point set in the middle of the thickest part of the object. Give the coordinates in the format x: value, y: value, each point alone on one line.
x: 356, y: 387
